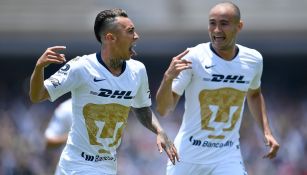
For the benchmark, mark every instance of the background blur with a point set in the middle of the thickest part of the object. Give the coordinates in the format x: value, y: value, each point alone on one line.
x: 277, y: 28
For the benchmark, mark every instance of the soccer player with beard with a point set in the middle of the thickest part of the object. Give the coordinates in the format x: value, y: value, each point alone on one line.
x: 104, y: 86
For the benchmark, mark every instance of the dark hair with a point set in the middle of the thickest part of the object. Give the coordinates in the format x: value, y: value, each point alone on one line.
x: 104, y: 20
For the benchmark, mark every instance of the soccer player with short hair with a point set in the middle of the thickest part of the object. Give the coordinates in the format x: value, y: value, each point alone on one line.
x: 104, y: 87
x: 216, y: 78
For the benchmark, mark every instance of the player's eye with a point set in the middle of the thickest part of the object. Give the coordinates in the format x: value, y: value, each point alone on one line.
x: 131, y: 30
x: 212, y: 23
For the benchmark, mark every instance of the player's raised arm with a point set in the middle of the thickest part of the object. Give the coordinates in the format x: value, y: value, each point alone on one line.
x: 166, y: 99
x: 37, y: 90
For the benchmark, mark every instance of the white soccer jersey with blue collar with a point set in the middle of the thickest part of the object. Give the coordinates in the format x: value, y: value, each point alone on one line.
x: 215, y: 91
x: 100, y: 105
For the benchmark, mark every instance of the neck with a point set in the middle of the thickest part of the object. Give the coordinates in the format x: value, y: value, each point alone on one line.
x: 114, y: 65
x: 227, y: 54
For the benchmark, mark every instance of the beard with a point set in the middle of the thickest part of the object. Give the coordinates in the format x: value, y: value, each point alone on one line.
x: 116, y: 63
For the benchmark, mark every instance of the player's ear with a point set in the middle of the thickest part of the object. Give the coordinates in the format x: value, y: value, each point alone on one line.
x: 109, y: 36
x: 240, y: 25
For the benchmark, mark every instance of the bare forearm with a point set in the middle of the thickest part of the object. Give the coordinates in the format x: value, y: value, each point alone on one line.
x: 164, y: 97
x: 37, y: 90
x: 148, y: 119
x: 257, y: 108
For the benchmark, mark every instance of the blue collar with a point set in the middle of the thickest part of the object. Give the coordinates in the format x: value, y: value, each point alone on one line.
x: 99, y: 59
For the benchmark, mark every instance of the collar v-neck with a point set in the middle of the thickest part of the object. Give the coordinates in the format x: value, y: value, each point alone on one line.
x: 99, y: 59
x: 212, y: 49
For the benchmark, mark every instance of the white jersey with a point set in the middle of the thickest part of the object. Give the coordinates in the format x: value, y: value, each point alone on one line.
x: 60, y: 122
x: 215, y: 91
x: 100, y: 105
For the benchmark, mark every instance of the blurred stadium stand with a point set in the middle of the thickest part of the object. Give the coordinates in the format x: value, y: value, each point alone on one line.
x: 31, y: 25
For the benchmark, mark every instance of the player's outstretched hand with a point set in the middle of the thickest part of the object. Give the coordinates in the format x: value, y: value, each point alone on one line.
x: 50, y: 56
x: 177, y: 65
x: 164, y: 143
x: 273, y: 144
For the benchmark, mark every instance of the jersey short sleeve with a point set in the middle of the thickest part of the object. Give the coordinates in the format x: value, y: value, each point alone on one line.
x: 255, y: 83
x: 143, y: 97
x: 63, y: 81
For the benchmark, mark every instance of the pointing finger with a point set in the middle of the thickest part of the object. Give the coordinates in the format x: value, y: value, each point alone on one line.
x: 57, y: 48
x: 182, y: 54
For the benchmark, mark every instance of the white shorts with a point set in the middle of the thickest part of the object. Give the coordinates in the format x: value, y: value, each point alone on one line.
x: 233, y: 167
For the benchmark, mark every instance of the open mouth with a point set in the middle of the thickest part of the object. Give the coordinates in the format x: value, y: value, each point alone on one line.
x: 219, y: 38
x: 132, y: 51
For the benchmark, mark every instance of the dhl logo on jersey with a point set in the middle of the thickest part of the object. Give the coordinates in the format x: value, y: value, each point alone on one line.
x: 227, y: 79
x: 113, y: 93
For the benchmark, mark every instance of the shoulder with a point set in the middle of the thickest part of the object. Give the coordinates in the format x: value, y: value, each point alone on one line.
x: 135, y: 65
x: 249, y: 53
x: 80, y: 63
x: 198, y: 52
x: 199, y: 47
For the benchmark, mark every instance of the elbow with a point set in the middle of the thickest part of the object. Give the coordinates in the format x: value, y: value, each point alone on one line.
x: 37, y: 96
x: 164, y: 109
x: 34, y: 99
x: 161, y: 111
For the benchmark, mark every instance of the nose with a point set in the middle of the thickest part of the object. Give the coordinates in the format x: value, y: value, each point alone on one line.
x: 217, y: 28
x: 136, y: 36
